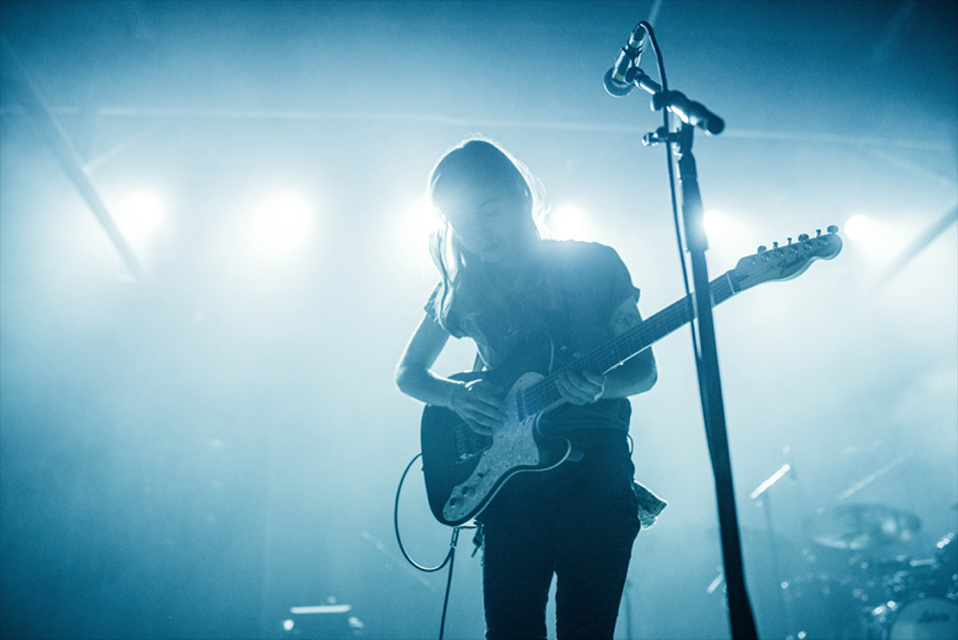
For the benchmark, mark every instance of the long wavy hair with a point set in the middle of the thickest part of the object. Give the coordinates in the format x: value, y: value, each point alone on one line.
x: 475, y: 161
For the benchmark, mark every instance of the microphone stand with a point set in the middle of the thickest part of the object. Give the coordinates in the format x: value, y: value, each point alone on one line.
x: 694, y: 114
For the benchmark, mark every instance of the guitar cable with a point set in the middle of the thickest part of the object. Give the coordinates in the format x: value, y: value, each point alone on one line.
x: 450, y: 558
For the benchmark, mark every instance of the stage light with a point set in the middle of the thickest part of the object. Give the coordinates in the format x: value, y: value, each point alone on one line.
x: 716, y: 225
x: 281, y: 225
x: 730, y: 235
x: 568, y: 222
x: 859, y: 228
x: 355, y: 623
x: 879, y: 239
x: 413, y: 228
x: 138, y: 216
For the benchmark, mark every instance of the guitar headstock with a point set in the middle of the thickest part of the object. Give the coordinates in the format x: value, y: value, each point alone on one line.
x: 785, y: 262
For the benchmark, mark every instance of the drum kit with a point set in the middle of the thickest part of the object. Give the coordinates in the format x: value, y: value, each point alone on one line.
x: 864, y: 595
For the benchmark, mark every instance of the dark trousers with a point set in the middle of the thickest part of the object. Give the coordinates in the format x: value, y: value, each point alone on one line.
x: 578, y: 522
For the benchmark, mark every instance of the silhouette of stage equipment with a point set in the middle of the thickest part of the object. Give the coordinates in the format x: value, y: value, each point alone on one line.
x: 861, y: 526
x: 320, y: 622
x: 839, y: 592
x: 902, y: 598
x: 919, y: 596
x: 850, y: 582
x: 846, y: 583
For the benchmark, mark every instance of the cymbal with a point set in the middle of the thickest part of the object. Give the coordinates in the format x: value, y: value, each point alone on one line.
x: 861, y: 526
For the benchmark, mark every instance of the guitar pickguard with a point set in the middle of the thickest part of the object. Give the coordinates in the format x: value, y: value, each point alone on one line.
x: 513, y: 449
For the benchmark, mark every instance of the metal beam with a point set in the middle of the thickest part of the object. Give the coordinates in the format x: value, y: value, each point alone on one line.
x: 59, y: 142
x: 454, y: 121
x: 917, y: 246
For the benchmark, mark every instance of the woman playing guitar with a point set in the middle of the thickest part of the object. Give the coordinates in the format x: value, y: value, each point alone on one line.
x: 512, y: 292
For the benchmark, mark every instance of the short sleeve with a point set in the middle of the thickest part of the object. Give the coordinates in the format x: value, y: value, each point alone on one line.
x: 430, y: 306
x: 616, y: 275
x: 591, y: 282
x: 432, y: 310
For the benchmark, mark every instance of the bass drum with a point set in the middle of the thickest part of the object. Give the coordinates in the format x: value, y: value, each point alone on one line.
x: 924, y: 619
x: 946, y: 560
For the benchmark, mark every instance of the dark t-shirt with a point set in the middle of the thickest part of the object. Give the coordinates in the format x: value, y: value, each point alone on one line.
x: 569, y: 293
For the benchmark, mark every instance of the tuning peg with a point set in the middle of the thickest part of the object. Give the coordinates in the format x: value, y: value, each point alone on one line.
x: 803, y: 237
x: 762, y: 248
x: 832, y: 228
x: 789, y: 241
x: 775, y: 245
x: 818, y: 232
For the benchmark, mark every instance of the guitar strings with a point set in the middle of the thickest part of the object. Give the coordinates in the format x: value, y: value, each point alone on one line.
x: 545, y: 393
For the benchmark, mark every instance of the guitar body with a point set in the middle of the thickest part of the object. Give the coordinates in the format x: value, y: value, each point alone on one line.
x: 464, y: 470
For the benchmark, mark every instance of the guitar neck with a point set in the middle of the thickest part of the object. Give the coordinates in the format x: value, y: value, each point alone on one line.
x: 545, y: 395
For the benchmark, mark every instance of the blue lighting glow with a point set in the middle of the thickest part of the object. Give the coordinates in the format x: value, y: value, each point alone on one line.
x: 281, y: 225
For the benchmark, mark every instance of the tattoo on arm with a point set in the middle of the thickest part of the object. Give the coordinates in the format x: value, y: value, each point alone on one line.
x: 625, y: 317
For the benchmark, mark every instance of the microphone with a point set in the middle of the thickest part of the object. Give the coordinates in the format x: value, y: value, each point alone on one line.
x: 616, y: 82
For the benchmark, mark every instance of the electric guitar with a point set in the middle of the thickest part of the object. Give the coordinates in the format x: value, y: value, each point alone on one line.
x: 464, y: 470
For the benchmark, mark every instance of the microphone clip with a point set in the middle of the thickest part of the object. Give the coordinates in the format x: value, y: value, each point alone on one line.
x: 659, y: 136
